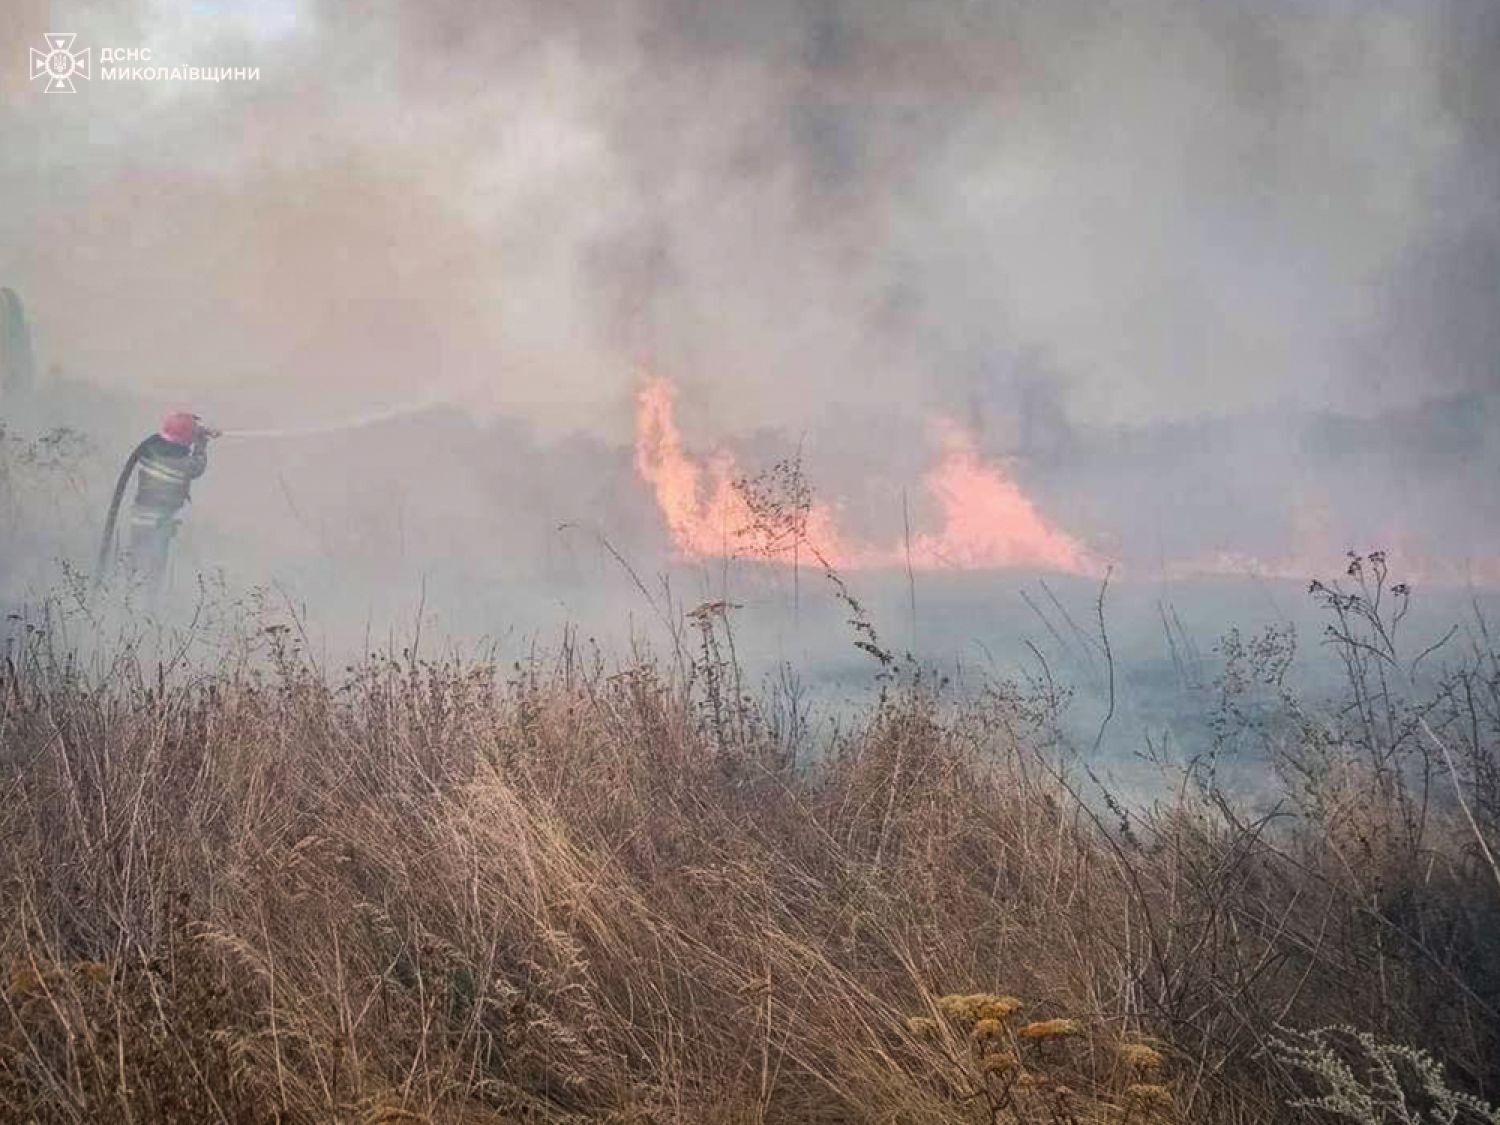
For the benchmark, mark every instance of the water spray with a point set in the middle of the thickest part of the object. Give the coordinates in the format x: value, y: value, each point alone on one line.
x: 358, y: 422
x: 203, y: 432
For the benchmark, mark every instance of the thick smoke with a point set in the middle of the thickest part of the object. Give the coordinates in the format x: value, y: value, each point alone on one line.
x: 1220, y: 275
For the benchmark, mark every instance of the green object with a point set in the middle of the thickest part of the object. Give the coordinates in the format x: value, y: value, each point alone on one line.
x: 17, y: 363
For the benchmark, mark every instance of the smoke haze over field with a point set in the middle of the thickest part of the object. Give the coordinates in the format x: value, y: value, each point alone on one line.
x: 1221, y: 276
x: 712, y: 494
x: 1193, y: 209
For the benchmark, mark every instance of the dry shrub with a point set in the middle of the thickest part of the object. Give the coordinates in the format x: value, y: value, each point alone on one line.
x: 445, y: 891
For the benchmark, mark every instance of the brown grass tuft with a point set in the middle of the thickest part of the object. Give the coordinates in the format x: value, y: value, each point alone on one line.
x: 452, y: 892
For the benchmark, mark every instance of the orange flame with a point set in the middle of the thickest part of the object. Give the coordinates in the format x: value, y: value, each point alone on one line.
x: 987, y: 521
x: 700, y: 525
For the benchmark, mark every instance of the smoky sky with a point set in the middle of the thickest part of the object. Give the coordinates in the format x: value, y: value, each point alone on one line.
x: 797, y: 209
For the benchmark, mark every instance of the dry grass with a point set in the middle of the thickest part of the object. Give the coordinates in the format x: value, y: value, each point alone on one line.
x: 456, y: 893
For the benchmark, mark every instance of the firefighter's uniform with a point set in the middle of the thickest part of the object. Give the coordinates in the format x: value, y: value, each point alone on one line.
x: 167, y: 471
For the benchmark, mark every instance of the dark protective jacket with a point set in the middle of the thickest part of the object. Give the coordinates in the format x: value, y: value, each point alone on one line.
x: 167, y: 471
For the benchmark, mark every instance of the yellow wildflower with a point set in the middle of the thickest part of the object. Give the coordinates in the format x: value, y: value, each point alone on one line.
x: 1049, y: 1029
x: 999, y: 1008
x: 958, y: 1007
x: 988, y: 1029
x: 978, y: 1006
x: 1139, y: 1056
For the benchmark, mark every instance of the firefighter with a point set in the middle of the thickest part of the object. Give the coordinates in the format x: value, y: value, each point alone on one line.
x: 169, y: 461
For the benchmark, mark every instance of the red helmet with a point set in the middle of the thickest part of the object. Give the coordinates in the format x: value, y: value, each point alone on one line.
x: 179, y: 427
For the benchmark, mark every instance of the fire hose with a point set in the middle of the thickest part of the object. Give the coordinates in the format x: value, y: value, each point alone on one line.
x: 107, y: 542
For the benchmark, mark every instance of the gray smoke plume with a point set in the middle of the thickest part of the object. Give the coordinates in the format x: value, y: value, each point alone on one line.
x: 1172, y: 256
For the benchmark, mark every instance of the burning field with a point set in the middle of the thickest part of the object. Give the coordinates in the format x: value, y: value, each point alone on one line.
x: 712, y: 510
x: 693, y: 562
x: 1108, y: 875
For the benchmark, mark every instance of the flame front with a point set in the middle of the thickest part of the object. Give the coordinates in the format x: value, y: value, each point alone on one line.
x: 700, y: 524
x: 988, y: 522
